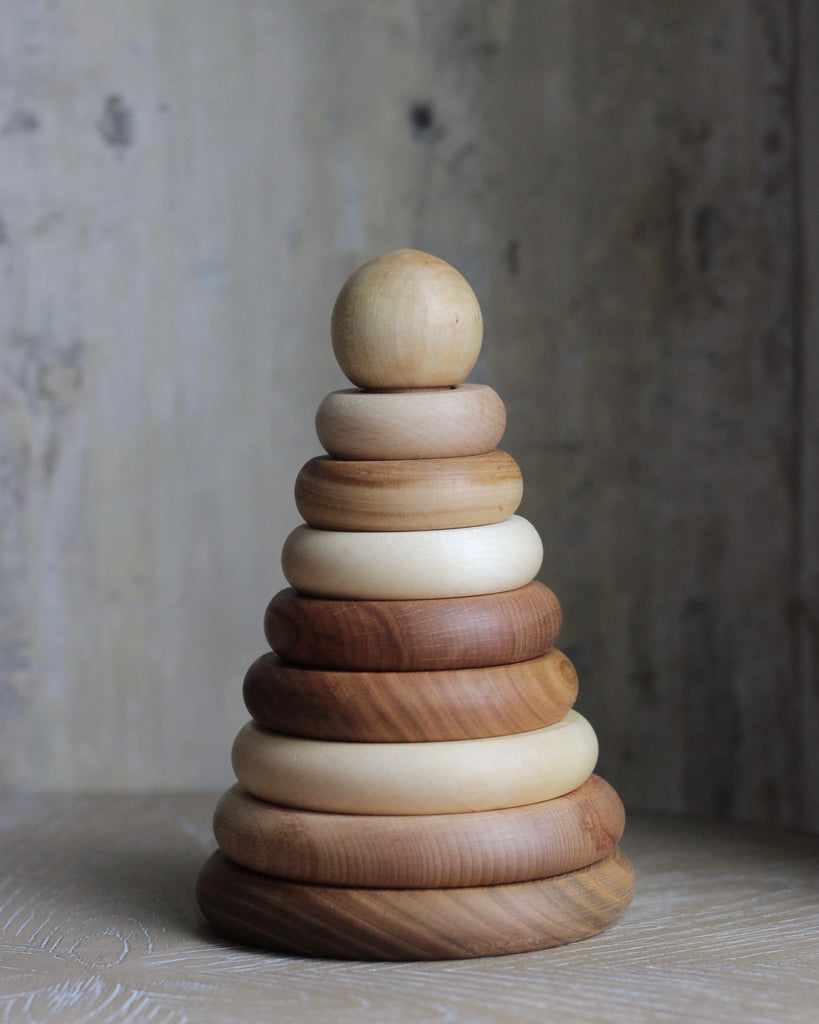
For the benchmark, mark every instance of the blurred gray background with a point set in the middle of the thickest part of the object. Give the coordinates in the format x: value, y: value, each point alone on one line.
x: 630, y: 188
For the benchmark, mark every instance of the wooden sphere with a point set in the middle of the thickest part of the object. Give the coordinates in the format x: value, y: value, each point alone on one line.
x: 403, y: 636
x: 413, y: 924
x: 406, y: 320
x: 428, y: 424
x: 408, y: 494
x: 422, y: 851
x: 412, y: 564
x: 416, y: 778
x: 406, y: 707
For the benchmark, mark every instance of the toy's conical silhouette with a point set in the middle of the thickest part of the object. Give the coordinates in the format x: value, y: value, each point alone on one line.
x: 414, y: 783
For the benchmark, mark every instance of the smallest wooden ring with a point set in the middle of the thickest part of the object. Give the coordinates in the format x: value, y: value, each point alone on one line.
x: 406, y: 707
x: 429, y: 424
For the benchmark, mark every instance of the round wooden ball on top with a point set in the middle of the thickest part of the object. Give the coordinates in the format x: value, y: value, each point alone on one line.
x: 406, y: 320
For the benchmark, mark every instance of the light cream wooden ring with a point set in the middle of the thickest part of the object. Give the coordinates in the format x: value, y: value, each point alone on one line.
x: 416, y: 778
x: 421, y: 851
x: 410, y: 707
x: 413, y: 924
x: 411, y: 564
x: 406, y: 320
x: 433, y: 424
x: 408, y: 494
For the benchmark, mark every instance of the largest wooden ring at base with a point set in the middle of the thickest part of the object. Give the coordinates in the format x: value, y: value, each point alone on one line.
x: 407, y: 707
x: 434, y: 423
x: 403, y: 636
x: 412, y: 564
x: 447, y: 777
x: 413, y: 924
x: 408, y: 494
x: 421, y: 851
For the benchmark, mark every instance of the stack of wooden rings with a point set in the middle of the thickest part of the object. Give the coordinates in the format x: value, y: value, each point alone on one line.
x: 413, y: 783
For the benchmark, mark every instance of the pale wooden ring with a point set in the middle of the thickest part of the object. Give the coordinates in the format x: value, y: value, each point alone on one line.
x: 408, y: 494
x: 401, y: 636
x: 422, y: 851
x: 416, y: 778
x: 406, y: 707
x: 433, y: 424
x: 412, y: 564
x: 413, y: 924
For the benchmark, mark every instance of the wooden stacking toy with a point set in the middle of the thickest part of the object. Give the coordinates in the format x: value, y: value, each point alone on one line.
x: 414, y: 783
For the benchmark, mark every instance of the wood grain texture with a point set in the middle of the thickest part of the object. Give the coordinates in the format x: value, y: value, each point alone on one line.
x: 416, y: 778
x: 413, y: 924
x: 389, y: 707
x: 406, y: 319
x: 437, y: 424
x: 631, y: 198
x: 408, y: 494
x: 442, y: 633
x: 410, y: 851
x: 98, y: 923
x: 413, y: 564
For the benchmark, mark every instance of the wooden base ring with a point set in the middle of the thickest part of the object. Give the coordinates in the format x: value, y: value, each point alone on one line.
x: 413, y: 924
x: 408, y: 494
x: 406, y: 707
x: 422, y: 851
x: 429, y: 424
x: 416, y: 778
x: 412, y: 564
x: 402, y: 636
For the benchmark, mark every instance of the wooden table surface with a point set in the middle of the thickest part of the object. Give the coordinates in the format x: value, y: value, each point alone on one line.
x: 98, y: 923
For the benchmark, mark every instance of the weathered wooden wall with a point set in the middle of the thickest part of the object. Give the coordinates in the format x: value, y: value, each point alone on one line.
x: 184, y: 186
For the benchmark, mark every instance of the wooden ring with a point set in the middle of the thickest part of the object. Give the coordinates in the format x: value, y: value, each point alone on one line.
x: 422, y: 851
x: 433, y: 424
x: 413, y: 564
x: 407, y: 707
x: 408, y: 494
x: 416, y: 778
x: 413, y: 924
x: 403, y: 636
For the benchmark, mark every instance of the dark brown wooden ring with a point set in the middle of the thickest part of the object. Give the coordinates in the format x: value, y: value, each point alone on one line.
x: 403, y: 636
x: 408, y: 494
x: 422, y: 851
x: 413, y: 924
x: 400, y: 707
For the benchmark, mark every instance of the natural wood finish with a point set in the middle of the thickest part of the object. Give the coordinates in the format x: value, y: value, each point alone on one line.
x: 408, y: 494
x: 406, y: 320
x: 428, y: 424
x: 98, y: 923
x: 416, y: 778
x: 413, y: 924
x: 389, y: 707
x: 412, y: 564
x: 412, y: 851
x: 400, y: 636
